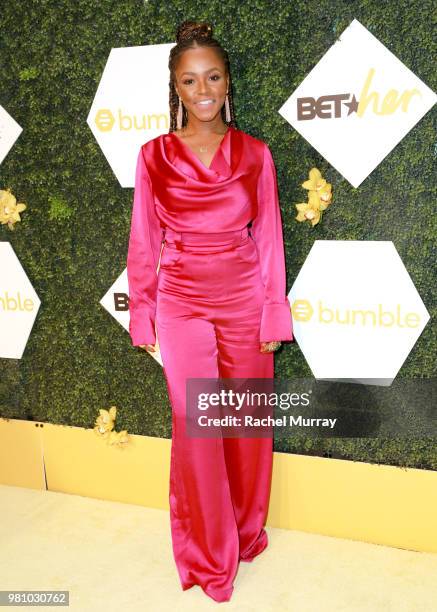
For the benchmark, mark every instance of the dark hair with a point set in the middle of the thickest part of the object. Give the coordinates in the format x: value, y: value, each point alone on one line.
x: 191, y: 34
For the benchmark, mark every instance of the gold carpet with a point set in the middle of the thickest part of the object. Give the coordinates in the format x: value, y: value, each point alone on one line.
x: 113, y: 556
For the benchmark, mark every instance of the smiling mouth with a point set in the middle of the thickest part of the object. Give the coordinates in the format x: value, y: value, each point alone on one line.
x: 205, y: 102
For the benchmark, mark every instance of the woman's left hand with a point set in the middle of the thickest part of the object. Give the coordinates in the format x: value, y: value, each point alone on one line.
x: 269, y: 347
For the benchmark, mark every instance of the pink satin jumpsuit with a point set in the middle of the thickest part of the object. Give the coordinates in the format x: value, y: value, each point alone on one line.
x: 219, y: 292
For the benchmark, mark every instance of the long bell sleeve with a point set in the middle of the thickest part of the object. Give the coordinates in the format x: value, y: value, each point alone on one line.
x: 276, y: 320
x: 142, y: 258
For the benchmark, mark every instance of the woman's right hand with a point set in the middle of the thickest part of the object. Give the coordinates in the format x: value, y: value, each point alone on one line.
x: 148, y: 347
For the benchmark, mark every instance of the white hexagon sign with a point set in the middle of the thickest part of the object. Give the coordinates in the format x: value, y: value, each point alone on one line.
x: 116, y: 302
x: 19, y: 304
x: 131, y: 105
x: 9, y: 132
x: 356, y: 312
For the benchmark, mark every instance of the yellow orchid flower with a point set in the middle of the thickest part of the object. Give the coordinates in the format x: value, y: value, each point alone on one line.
x: 314, y: 200
x: 9, y: 209
x: 104, y: 428
x: 310, y: 211
x: 307, y: 213
x: 118, y: 438
x: 325, y: 196
x: 319, y: 198
x: 315, y: 182
x: 105, y: 422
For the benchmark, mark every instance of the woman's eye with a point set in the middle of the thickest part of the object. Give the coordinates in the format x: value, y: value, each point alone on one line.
x: 189, y: 81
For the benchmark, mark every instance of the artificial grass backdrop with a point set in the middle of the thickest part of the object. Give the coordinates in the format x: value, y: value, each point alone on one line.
x: 72, y: 240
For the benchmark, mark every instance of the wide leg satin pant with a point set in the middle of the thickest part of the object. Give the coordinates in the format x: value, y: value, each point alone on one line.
x: 209, y: 305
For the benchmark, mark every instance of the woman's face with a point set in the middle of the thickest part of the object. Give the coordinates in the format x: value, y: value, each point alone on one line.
x: 200, y: 76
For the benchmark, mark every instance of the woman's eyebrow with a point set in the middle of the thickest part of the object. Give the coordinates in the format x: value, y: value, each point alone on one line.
x: 209, y: 70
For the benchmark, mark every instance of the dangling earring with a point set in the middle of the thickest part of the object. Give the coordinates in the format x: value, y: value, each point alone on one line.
x: 227, y: 110
x: 179, y: 115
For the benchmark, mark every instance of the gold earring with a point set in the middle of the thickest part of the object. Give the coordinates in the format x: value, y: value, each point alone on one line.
x: 227, y: 109
x: 179, y: 115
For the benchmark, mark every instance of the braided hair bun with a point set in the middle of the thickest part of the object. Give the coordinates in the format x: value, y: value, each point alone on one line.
x: 191, y: 30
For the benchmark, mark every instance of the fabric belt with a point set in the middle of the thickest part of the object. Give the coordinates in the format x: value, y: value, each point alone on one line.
x: 214, y: 239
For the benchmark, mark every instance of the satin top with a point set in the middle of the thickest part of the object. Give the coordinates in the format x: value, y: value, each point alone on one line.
x: 174, y: 189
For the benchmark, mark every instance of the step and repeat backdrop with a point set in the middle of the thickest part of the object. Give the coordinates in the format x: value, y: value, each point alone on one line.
x: 359, y: 250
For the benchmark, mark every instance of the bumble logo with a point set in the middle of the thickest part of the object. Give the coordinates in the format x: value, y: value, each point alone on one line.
x: 16, y: 303
x: 303, y: 311
x: 19, y: 304
x: 356, y: 311
x: 128, y: 111
x: 106, y: 121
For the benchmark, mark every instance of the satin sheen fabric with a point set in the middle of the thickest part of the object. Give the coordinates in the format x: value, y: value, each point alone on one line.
x: 219, y: 292
x: 173, y: 188
x: 207, y: 322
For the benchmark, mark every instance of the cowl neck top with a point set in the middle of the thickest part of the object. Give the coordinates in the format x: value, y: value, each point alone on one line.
x: 178, y: 153
x: 190, y: 197
x: 174, y: 189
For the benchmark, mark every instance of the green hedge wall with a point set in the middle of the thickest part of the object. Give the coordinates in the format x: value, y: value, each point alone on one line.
x: 73, y: 237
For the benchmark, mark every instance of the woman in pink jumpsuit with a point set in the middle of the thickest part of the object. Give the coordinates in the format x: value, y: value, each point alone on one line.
x: 218, y: 307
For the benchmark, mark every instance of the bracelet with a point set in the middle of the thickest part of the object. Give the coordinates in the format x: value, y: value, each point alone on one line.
x: 274, y: 345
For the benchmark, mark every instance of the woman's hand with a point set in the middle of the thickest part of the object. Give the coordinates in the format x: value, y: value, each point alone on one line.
x: 148, y: 347
x: 269, y: 347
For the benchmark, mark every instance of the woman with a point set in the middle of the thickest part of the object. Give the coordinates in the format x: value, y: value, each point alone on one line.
x: 218, y: 301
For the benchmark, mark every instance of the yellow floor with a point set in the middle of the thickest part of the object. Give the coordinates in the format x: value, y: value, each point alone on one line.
x: 113, y: 556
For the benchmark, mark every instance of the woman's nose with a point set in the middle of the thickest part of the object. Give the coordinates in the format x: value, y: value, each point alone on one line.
x: 203, y: 87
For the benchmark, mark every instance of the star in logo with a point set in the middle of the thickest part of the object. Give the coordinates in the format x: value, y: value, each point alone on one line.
x: 353, y: 105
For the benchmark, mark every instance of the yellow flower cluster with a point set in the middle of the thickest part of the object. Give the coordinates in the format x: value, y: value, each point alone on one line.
x: 104, y: 428
x: 9, y: 209
x: 319, y: 198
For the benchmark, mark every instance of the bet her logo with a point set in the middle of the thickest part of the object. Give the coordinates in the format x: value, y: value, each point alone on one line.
x: 330, y: 106
x: 303, y: 312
